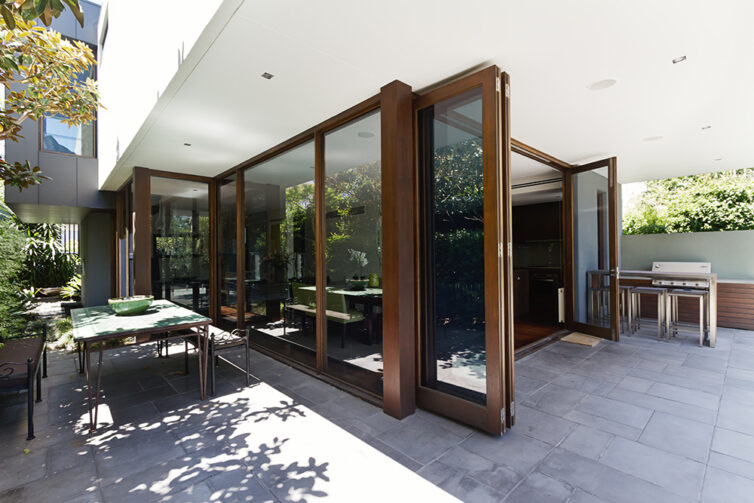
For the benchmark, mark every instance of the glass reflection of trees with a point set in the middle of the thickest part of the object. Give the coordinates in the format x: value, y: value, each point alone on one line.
x: 180, y: 243
x: 459, y: 232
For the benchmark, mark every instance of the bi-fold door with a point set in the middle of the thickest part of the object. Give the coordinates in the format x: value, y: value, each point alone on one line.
x: 465, y: 350
x: 591, y: 238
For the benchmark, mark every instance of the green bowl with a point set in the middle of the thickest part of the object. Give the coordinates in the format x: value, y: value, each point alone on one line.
x: 128, y: 306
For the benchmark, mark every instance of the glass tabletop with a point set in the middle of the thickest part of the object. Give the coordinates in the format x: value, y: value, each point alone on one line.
x: 91, y: 323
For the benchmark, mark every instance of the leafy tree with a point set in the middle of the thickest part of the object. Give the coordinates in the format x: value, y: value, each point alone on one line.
x: 40, y: 71
x: 45, y: 263
x: 12, y: 306
x: 721, y: 201
x: 44, y: 10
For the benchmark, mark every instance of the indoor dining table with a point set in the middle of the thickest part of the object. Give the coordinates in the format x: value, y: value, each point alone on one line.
x: 96, y: 325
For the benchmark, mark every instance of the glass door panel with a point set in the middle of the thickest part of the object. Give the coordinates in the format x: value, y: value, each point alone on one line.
x: 593, y: 237
x: 463, y: 361
x: 180, y: 242
x: 454, y: 204
x: 353, y: 252
x: 226, y: 259
x: 280, y: 261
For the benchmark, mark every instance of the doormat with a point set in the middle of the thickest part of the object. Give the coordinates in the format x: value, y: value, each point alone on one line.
x: 583, y: 339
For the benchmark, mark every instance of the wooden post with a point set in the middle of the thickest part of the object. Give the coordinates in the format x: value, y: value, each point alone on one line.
x: 399, y: 288
x: 142, y: 232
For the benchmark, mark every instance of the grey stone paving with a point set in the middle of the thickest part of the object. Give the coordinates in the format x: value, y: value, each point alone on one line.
x: 636, y: 421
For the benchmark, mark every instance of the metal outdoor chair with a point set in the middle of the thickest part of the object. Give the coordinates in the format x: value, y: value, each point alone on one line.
x: 22, y: 361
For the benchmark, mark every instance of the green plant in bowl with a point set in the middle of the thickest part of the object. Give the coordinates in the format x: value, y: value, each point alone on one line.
x: 129, y: 306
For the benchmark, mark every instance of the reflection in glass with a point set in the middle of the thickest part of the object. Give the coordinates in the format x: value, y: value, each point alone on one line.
x: 180, y: 242
x: 591, y: 257
x: 57, y: 136
x: 353, y: 223
x: 454, y: 357
x: 226, y: 259
x: 60, y: 137
x: 279, y: 256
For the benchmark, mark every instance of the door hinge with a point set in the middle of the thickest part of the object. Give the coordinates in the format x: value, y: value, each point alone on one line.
x: 510, y: 249
x: 507, y: 90
x: 513, y: 409
x: 500, y: 250
x: 497, y: 84
x: 502, y: 415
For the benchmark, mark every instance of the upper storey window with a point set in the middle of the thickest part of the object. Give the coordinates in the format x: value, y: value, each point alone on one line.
x: 74, y: 140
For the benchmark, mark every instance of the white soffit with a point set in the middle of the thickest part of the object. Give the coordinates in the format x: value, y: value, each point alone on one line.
x: 328, y: 56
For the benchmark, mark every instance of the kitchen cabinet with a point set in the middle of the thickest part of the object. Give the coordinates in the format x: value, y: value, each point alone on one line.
x: 538, y: 222
x: 520, y: 292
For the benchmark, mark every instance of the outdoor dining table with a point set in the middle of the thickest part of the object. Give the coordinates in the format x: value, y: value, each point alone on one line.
x: 96, y: 325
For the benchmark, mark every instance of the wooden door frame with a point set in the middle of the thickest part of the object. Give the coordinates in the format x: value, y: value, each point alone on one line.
x: 493, y: 416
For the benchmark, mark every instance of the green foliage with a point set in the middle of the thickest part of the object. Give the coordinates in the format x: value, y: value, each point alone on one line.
x: 12, y: 304
x: 182, y: 252
x: 72, y: 289
x: 44, y: 10
x: 45, y: 262
x: 721, y: 201
x: 458, y: 237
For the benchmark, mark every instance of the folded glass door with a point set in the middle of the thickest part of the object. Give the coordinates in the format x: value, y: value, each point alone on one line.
x: 591, y: 194
x: 463, y: 362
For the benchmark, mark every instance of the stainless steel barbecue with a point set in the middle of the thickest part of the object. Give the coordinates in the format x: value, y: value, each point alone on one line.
x: 682, y: 268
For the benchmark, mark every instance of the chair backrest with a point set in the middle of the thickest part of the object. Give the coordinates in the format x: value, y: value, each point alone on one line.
x: 336, y: 302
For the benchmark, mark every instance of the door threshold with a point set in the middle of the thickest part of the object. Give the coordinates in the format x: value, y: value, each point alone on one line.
x: 537, y: 345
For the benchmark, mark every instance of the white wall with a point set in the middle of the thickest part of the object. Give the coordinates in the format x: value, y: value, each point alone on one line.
x: 141, y: 54
x: 731, y: 252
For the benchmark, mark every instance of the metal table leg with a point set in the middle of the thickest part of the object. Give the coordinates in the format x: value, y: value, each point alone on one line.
x: 202, y: 343
x: 93, y: 398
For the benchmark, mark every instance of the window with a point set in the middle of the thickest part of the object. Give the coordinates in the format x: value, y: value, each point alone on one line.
x: 62, y: 138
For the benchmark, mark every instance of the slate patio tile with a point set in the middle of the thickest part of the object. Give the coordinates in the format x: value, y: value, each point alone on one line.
x: 513, y: 450
x: 540, y: 425
x: 724, y: 487
x: 664, y: 405
x: 731, y: 464
x: 587, y: 442
x: 484, y: 470
x: 678, y: 435
x: 555, y: 399
x: 678, y: 475
x: 636, y: 384
x: 734, y: 443
x: 736, y: 416
x: 685, y: 395
x: 706, y: 362
x: 539, y: 488
x: 603, y: 481
x: 620, y: 412
x: 602, y: 424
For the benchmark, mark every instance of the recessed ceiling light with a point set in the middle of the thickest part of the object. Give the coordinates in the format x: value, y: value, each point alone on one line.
x: 267, y: 76
x: 186, y: 144
x: 653, y: 138
x: 706, y: 127
x: 679, y: 59
x: 719, y: 159
x: 365, y: 134
x: 602, y: 84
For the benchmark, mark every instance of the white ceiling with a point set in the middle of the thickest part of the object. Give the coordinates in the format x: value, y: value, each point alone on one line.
x: 329, y: 56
